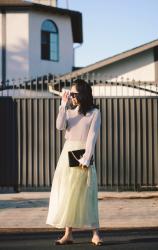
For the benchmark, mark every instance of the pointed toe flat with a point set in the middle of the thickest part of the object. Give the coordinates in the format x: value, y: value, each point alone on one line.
x: 65, y: 242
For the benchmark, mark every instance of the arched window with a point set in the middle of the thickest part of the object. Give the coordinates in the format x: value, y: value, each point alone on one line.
x: 49, y: 41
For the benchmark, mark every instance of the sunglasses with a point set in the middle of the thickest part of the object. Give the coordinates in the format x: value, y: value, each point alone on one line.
x: 73, y: 94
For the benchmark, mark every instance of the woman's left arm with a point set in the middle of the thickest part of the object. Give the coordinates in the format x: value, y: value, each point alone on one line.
x: 91, y: 138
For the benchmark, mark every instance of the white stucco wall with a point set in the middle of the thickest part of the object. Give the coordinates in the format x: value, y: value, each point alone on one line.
x: 40, y: 67
x: 119, y: 90
x: 140, y: 67
x: 46, y: 2
x: 17, y: 55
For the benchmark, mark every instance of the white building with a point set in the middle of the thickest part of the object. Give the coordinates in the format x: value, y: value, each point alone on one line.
x: 131, y: 73
x: 37, y: 38
x: 139, y: 64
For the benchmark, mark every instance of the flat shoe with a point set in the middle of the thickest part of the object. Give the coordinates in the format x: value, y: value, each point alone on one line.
x: 65, y: 242
x: 98, y: 243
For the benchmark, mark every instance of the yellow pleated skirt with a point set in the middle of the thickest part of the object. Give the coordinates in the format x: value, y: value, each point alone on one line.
x: 73, y: 198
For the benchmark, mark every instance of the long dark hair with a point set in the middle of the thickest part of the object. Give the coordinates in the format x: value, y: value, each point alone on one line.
x: 84, y: 97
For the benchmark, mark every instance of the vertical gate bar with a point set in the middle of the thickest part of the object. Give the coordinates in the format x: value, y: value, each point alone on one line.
x: 32, y: 140
x: 122, y: 143
x: 133, y: 148
x: 110, y: 143
x: 47, y: 162
x: 18, y: 103
x: 150, y: 142
x: 104, y: 143
x: 8, y: 172
x: 155, y: 133
x: 127, y: 140
x: 116, y: 157
x: 40, y: 135
x: 29, y: 109
x: 14, y: 149
x: 44, y: 130
x: 144, y: 145
x: 35, y: 139
x: 139, y: 141
x: 3, y: 177
x: 24, y: 143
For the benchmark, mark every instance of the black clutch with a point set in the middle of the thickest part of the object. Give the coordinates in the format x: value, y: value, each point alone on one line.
x: 75, y: 155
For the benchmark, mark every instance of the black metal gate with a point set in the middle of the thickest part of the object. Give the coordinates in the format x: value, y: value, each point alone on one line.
x: 126, y: 152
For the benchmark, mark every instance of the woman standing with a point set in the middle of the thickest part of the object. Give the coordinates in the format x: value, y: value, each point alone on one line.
x: 73, y: 199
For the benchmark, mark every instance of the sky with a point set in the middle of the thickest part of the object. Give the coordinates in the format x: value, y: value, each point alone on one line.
x: 113, y: 26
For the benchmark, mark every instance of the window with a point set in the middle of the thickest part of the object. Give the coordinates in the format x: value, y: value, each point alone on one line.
x: 49, y: 41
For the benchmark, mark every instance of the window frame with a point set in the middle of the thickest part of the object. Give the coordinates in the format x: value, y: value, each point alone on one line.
x: 48, y: 44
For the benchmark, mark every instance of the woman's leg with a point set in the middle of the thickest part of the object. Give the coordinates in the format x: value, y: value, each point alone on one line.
x: 67, y: 236
x: 68, y: 232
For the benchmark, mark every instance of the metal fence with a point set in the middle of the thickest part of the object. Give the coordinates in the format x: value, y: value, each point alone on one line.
x: 101, y: 87
x: 126, y: 153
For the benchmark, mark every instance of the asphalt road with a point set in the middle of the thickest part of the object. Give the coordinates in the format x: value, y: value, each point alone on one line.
x: 118, y: 239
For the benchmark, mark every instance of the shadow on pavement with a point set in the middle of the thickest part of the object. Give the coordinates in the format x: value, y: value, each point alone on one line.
x: 30, y: 203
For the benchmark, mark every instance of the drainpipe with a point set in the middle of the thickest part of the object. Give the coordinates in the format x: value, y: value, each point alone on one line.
x: 74, y: 48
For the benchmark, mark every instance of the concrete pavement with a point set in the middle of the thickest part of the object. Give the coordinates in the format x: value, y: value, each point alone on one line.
x: 27, y: 211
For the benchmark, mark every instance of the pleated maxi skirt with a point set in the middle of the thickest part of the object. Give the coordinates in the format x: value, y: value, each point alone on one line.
x: 73, y: 198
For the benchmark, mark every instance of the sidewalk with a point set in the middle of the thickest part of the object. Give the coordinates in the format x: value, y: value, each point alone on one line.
x: 27, y: 211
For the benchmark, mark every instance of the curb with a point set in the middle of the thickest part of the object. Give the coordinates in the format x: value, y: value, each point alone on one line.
x: 14, y: 231
x: 127, y: 196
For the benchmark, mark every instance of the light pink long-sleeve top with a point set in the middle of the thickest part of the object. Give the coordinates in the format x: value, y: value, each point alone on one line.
x: 80, y: 127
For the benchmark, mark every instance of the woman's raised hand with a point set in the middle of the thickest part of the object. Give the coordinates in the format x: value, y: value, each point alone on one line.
x: 65, y: 97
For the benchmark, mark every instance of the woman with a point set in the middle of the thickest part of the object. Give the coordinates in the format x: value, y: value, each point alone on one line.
x: 73, y: 198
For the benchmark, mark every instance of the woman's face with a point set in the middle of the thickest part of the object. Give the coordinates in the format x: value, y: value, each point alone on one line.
x: 73, y: 94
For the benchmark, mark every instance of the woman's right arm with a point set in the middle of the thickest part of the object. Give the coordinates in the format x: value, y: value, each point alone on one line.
x: 61, y: 118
